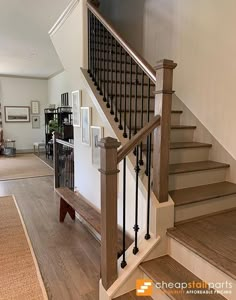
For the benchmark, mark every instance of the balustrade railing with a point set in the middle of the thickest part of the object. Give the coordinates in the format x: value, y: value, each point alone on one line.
x: 139, y: 97
x: 63, y: 163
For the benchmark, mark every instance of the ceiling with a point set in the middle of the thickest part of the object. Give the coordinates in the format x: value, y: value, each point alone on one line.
x: 25, y: 46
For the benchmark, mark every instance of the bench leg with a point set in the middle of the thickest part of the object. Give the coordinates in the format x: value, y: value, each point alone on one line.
x: 64, y: 209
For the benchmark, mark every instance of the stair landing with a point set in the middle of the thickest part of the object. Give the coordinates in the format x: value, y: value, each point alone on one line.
x: 212, y: 237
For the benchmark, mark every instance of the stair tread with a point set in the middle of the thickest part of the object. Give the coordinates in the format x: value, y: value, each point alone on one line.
x: 169, y: 270
x: 132, y: 296
x: 183, y: 127
x: 196, y: 166
x: 211, y: 237
x: 89, y: 213
x: 184, y: 145
x: 202, y: 193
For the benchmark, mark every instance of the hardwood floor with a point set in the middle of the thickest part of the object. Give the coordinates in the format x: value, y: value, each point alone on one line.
x: 68, y: 255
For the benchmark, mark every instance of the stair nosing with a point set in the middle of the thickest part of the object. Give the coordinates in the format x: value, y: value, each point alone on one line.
x: 219, y: 166
x: 193, y: 146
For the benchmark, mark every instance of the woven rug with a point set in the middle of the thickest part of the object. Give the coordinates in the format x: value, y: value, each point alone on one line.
x: 19, y: 273
x: 23, y: 166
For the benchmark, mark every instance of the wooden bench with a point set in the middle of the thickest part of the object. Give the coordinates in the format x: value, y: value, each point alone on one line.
x: 71, y: 202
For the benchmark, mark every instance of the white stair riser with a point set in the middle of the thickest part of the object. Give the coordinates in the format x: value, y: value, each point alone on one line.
x: 188, y: 155
x: 193, y: 210
x: 190, y: 179
x: 181, y: 135
x: 198, y: 265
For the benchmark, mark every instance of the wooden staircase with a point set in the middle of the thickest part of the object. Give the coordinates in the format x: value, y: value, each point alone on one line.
x: 136, y: 101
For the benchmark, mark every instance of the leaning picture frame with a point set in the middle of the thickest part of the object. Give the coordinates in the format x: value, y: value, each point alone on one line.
x: 17, y: 114
x: 76, y: 105
x: 85, y: 125
x: 97, y: 134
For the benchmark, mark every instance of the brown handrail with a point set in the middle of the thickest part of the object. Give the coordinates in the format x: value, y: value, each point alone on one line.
x: 144, y: 65
x: 138, y: 138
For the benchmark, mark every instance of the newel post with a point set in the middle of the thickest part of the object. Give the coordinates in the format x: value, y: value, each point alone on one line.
x: 109, y: 231
x: 55, y: 160
x: 163, y: 103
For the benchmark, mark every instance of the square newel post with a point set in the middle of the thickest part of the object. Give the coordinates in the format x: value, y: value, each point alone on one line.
x: 109, y: 229
x: 55, y: 160
x: 163, y: 102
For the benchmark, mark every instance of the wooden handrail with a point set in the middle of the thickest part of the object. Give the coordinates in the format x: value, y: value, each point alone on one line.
x: 138, y: 138
x: 64, y: 143
x: 144, y: 65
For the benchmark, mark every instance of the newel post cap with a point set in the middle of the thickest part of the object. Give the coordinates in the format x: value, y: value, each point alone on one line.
x: 109, y: 143
x: 165, y: 64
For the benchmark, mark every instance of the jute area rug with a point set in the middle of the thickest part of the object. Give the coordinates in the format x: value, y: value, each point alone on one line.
x: 20, y: 278
x: 23, y: 166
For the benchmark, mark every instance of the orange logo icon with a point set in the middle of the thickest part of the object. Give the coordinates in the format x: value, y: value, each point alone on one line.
x: 143, y: 287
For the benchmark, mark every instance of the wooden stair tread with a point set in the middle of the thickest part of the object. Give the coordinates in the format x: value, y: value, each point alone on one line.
x: 211, y: 237
x: 202, y: 193
x: 196, y: 166
x: 89, y: 213
x: 188, y: 145
x: 132, y: 296
x: 167, y: 269
x: 183, y: 127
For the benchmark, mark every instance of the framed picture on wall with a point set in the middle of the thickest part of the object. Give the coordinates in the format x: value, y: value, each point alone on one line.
x: 17, y: 114
x: 76, y: 105
x: 85, y: 125
x: 35, y: 122
x: 96, y: 136
x: 65, y: 99
x: 35, y: 108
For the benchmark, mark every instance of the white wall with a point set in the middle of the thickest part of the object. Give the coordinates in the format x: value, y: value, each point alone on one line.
x: 20, y: 92
x: 70, y: 43
x: 199, y: 36
x: 57, y: 85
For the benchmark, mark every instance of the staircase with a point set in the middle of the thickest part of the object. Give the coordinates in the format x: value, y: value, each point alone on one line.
x: 170, y: 164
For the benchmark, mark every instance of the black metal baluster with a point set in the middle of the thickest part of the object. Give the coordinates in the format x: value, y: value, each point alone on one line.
x: 136, y: 99
x: 121, y: 70
x: 147, y: 236
x: 148, y: 118
x: 130, y: 99
x: 98, y: 54
x: 124, y: 263
x: 89, y: 44
x: 136, y: 227
x: 141, y: 119
x: 112, y: 96
x: 104, y: 65
x: 94, y: 53
x: 125, y: 95
x: 108, y: 68
x: 116, y: 98
x: 100, y: 58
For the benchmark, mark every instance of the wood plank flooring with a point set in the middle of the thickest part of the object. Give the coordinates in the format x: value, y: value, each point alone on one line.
x: 211, y: 237
x: 68, y: 255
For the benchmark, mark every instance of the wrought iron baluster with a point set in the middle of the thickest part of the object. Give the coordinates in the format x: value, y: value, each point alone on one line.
x: 130, y: 98
x: 116, y: 98
x: 121, y: 70
x: 136, y: 99
x: 94, y: 52
x: 147, y: 236
x: 148, y: 118
x: 124, y: 263
x: 104, y: 65
x: 136, y: 226
x: 111, y: 70
x: 108, y: 68
x: 89, y: 43
x: 141, y: 118
x: 125, y: 96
